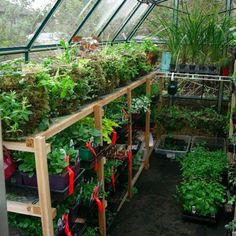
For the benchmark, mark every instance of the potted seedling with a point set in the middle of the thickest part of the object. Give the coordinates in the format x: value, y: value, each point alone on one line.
x: 201, y: 199
x: 203, y: 164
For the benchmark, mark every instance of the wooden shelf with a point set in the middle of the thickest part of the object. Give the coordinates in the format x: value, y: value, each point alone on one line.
x: 27, y: 208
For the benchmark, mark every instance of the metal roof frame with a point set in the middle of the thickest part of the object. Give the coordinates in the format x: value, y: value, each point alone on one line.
x: 30, y: 47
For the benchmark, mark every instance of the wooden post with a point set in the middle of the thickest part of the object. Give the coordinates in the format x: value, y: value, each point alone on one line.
x: 102, y: 215
x: 3, y: 201
x: 147, y: 126
x: 130, y: 174
x: 98, y: 114
x: 43, y: 185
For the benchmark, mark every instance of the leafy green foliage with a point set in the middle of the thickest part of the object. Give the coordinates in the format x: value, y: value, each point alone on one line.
x: 30, y: 225
x: 110, y: 168
x: 201, y: 196
x: 204, y: 164
x: 14, y: 111
x: 107, y: 127
x: 140, y: 104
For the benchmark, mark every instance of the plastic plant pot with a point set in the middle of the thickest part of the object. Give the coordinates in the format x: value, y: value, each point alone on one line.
x: 85, y: 154
x: 192, y: 68
x: 210, y: 143
x: 180, y: 146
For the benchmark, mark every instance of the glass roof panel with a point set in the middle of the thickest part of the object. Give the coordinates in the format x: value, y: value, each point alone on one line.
x: 19, y: 19
x: 118, y: 20
x: 151, y: 26
x: 133, y: 21
x: 99, y: 17
x: 64, y: 21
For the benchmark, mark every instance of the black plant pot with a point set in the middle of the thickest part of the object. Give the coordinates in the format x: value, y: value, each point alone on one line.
x: 172, y: 88
x: 232, y: 148
x: 172, y: 68
x: 155, y: 99
x: 212, y: 70
x: 202, y: 69
x: 192, y: 69
x: 182, y: 68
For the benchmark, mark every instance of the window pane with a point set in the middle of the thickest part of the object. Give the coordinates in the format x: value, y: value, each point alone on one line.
x: 65, y: 21
x: 152, y: 24
x: 118, y: 20
x: 19, y: 19
x: 99, y: 17
x: 133, y: 21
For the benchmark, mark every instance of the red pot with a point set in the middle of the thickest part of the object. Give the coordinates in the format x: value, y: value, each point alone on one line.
x: 224, y: 71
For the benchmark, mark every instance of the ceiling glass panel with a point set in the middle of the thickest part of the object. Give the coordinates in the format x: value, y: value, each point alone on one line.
x: 133, y: 21
x: 65, y: 21
x: 19, y: 19
x: 99, y: 17
x: 152, y: 25
x: 118, y: 20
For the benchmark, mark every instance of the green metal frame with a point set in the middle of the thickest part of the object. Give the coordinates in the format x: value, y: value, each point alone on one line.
x: 143, y: 18
x: 126, y: 21
x: 112, y: 17
x: 140, y: 22
x: 30, y: 47
x: 84, y: 20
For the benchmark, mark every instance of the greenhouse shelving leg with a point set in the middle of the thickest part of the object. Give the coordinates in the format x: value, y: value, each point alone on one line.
x: 3, y: 204
x: 98, y: 114
x: 102, y: 215
x: 43, y: 185
x: 147, y: 127
x: 129, y: 101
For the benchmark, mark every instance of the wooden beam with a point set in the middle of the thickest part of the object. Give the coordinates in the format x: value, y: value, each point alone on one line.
x: 3, y: 206
x: 17, y: 146
x: 43, y: 186
x: 98, y: 114
x: 27, y: 209
x: 130, y: 175
x: 147, y: 125
x: 102, y: 215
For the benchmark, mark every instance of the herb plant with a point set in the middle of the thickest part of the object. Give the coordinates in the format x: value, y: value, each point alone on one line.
x: 204, y: 164
x: 14, y: 111
x: 201, y: 197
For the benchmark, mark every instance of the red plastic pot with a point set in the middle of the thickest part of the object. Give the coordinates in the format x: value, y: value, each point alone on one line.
x: 224, y: 71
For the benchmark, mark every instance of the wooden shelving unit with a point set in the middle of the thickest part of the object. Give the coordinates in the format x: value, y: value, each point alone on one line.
x: 37, y: 144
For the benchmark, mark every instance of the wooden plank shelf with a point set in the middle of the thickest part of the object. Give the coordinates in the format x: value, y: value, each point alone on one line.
x: 37, y: 144
x: 27, y: 208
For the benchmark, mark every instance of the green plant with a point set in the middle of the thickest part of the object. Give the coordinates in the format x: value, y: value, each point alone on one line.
x: 108, y: 126
x: 204, y: 164
x: 201, y: 197
x: 231, y: 226
x: 110, y: 168
x: 134, y: 190
x: 30, y: 225
x: 86, y: 192
x: 91, y: 231
x: 232, y: 175
x: 140, y: 104
x: 14, y: 111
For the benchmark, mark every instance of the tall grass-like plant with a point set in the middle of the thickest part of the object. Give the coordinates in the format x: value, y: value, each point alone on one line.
x: 201, y: 34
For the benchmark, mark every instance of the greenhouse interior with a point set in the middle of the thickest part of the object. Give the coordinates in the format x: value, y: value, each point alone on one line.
x: 117, y: 117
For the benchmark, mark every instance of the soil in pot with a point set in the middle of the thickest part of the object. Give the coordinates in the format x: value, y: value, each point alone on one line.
x: 173, y: 144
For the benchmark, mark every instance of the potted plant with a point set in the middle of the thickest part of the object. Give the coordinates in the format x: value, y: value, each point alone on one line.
x: 203, y: 164
x: 230, y: 227
x: 224, y: 64
x: 155, y: 93
x: 201, y: 199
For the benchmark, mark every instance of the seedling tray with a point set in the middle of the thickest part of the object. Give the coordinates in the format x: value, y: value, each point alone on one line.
x: 56, y: 194
x: 210, y: 143
x: 199, y: 219
x: 181, y: 145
